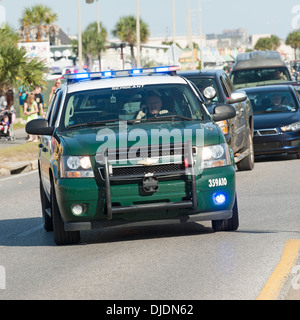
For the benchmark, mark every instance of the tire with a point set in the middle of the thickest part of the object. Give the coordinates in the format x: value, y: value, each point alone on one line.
x: 61, y: 237
x: 248, y: 162
x: 230, y: 224
x: 47, y: 220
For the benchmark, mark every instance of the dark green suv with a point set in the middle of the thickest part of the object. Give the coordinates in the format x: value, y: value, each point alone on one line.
x: 132, y: 147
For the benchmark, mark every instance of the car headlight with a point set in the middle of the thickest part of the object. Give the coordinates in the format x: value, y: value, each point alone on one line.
x: 291, y: 127
x: 215, y: 156
x: 76, y: 167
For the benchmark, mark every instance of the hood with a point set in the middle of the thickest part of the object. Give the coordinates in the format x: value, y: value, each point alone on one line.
x: 275, y: 120
x: 89, y: 141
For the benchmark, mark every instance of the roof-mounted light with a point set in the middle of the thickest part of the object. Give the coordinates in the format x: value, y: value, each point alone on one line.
x: 74, y: 77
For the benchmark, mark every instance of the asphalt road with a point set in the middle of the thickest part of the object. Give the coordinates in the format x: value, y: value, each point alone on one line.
x: 166, y: 262
x: 20, y: 138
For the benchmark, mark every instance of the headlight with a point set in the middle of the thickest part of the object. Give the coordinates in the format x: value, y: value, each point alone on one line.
x: 215, y: 156
x: 291, y: 127
x: 76, y: 167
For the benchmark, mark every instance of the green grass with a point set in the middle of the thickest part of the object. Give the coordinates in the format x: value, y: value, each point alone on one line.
x: 24, y: 152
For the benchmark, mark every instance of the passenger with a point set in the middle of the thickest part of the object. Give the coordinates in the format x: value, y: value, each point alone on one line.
x: 4, y: 124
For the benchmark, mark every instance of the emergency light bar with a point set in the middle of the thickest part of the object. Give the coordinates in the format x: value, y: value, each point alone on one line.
x: 73, y: 77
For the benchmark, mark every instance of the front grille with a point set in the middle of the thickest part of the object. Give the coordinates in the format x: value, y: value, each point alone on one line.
x: 143, y: 170
x: 265, y: 132
x: 293, y: 143
x: 137, y: 153
x: 267, y: 145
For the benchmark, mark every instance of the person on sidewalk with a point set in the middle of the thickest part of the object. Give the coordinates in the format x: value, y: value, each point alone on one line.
x: 32, y: 112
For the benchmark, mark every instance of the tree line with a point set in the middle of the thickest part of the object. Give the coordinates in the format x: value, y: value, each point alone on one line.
x: 17, y: 69
x: 273, y: 42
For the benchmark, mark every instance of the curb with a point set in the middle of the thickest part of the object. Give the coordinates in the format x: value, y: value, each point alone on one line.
x: 10, y: 168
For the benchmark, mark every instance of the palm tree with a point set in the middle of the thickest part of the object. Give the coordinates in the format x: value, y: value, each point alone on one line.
x: 27, y: 22
x: 93, y: 43
x: 293, y: 40
x: 125, y: 30
x: 267, y: 43
x: 15, y: 68
x: 37, y: 16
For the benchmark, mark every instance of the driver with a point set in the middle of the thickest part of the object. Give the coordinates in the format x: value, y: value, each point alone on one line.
x: 153, y: 107
x: 277, y: 105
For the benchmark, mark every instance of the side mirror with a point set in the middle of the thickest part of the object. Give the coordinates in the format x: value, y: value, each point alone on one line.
x: 39, y: 127
x: 209, y: 92
x: 237, y: 96
x: 223, y: 112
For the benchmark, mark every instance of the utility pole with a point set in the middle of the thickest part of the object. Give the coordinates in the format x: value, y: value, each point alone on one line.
x: 174, y: 33
x: 200, y: 31
x: 79, y: 38
x: 138, y: 35
x: 189, y: 27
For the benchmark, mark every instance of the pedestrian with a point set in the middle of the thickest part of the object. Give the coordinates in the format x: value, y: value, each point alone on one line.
x: 38, y: 97
x: 56, y: 85
x: 23, y: 91
x: 9, y: 97
x: 31, y: 111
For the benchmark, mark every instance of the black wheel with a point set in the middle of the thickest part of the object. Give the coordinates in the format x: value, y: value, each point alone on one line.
x: 230, y: 224
x: 46, y: 205
x: 248, y: 162
x: 61, y: 237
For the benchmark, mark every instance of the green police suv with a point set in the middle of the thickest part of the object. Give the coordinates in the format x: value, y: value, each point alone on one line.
x: 132, y: 147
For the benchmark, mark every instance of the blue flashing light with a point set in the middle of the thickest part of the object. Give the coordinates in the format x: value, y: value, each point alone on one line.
x: 73, y: 77
x: 219, y: 198
x: 107, y: 74
x: 162, y: 69
x: 137, y: 71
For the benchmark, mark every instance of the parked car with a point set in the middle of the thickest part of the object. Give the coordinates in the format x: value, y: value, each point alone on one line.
x: 132, y: 147
x: 238, y: 130
x: 276, y: 119
x: 259, y: 68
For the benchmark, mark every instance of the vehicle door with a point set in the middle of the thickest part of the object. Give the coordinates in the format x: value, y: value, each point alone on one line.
x: 239, y: 131
x: 46, y: 141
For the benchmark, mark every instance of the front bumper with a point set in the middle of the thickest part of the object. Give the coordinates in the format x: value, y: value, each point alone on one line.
x: 214, y: 215
x: 186, y: 195
x: 280, y: 143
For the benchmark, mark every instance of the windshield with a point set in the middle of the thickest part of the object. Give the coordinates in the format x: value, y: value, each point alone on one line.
x: 143, y: 104
x: 243, y: 78
x: 202, y: 83
x: 272, y: 101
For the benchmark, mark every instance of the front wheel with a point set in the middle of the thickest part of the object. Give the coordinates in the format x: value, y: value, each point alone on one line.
x: 248, y: 162
x: 231, y: 224
x: 61, y: 237
x: 47, y: 220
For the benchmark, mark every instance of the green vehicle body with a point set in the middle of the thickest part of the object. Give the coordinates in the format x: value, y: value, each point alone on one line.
x: 186, y: 192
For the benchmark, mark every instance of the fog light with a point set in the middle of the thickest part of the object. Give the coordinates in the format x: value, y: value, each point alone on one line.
x: 219, y: 198
x: 77, y: 209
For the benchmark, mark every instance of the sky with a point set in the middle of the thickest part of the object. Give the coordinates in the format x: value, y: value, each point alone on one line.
x: 278, y: 17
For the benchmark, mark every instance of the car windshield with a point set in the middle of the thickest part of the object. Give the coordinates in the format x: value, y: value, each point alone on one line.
x: 133, y: 104
x: 272, y: 101
x: 243, y: 78
x: 202, y: 83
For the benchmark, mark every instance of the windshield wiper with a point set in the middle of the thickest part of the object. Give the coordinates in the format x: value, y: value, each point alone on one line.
x: 91, y: 124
